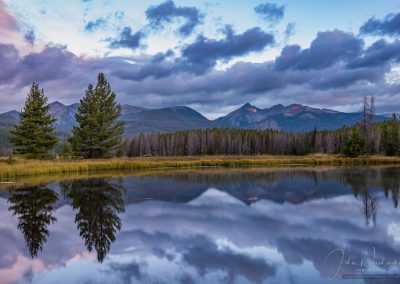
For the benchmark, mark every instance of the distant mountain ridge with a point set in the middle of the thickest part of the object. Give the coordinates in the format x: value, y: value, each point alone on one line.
x: 290, y: 118
x: 295, y: 117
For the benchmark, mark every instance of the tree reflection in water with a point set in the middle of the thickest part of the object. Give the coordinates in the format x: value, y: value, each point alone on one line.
x: 369, y: 207
x: 33, y: 207
x: 391, y: 184
x: 98, y: 203
x: 361, y: 184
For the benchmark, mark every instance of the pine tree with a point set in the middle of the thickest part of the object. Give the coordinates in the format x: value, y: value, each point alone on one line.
x: 98, y: 133
x: 355, y: 145
x: 390, y: 137
x: 34, y: 136
x: 313, y: 141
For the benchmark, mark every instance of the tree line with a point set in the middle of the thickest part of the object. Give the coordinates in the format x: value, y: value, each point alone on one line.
x: 367, y: 137
x: 98, y: 133
x: 217, y: 141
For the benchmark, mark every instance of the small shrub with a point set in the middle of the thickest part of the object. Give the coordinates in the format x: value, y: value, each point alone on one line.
x: 11, y: 160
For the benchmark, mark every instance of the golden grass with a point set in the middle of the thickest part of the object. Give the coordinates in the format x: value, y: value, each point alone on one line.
x: 38, y: 167
x: 34, y: 180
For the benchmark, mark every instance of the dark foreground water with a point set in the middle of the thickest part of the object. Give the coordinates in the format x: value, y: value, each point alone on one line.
x: 299, y: 225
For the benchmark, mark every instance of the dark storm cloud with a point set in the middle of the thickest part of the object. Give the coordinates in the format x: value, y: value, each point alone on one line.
x: 389, y: 26
x: 337, y: 78
x: 30, y: 37
x: 94, y: 25
x: 270, y: 12
x: 126, y: 39
x: 378, y: 54
x: 166, y: 12
x: 205, y: 52
x: 199, y: 56
x: 241, y: 77
x: 50, y: 64
x: 325, y: 50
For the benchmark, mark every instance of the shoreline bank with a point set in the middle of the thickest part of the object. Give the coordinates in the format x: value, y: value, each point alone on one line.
x: 21, y: 167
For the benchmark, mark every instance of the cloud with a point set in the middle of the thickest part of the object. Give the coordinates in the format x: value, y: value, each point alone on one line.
x: 270, y: 12
x: 126, y: 39
x: 30, y: 37
x: 119, y: 15
x: 166, y: 12
x: 7, y: 22
x: 205, y: 52
x: 335, y: 70
x: 127, y: 271
x: 9, y: 60
x: 156, y: 67
x: 205, y: 256
x: 339, y: 78
x: 325, y: 50
x: 379, y: 53
x: 94, y: 25
x: 290, y: 30
x: 389, y: 26
x: 50, y: 64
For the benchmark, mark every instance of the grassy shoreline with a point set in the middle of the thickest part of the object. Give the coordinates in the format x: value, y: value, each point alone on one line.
x: 34, y: 180
x: 34, y: 167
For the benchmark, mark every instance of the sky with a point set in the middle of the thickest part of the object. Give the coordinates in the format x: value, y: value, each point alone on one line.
x: 213, y: 56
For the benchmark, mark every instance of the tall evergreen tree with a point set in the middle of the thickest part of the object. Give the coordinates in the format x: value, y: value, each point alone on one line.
x: 98, y: 133
x: 34, y: 135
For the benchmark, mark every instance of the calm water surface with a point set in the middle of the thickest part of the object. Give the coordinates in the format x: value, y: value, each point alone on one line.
x: 301, y: 225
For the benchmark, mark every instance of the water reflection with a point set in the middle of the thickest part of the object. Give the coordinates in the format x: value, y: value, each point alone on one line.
x: 211, y: 226
x: 33, y: 207
x: 98, y: 204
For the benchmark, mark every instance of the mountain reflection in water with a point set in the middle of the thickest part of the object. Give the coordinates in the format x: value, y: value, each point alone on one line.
x: 296, y: 225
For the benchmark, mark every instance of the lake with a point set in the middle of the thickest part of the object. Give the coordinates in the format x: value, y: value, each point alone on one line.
x: 253, y: 225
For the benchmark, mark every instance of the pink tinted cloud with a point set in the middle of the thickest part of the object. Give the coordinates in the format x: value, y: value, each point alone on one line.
x: 7, y: 22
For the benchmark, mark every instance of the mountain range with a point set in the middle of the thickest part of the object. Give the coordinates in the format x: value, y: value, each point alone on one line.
x: 137, y: 119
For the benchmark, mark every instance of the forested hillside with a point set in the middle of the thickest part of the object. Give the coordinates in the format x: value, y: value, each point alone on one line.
x: 379, y: 138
